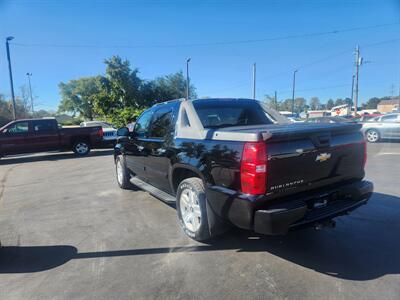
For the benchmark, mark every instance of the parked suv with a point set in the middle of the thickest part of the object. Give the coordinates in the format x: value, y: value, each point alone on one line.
x: 227, y: 162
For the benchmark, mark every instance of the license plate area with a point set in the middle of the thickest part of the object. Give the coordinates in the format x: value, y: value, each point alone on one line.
x: 321, y: 201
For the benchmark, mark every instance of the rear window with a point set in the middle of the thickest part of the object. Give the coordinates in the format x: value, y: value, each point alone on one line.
x: 225, y: 113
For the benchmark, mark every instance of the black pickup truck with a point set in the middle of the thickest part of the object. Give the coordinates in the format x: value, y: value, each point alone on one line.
x: 238, y: 162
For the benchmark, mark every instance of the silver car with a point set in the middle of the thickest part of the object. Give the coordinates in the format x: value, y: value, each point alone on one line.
x: 383, y: 127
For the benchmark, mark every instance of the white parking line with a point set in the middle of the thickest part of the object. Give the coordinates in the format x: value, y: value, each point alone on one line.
x: 388, y: 153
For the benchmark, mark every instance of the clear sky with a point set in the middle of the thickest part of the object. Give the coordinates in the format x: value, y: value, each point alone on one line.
x: 59, y: 40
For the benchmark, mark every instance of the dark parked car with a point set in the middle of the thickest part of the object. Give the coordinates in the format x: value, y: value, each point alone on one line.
x: 237, y: 162
x: 39, y: 135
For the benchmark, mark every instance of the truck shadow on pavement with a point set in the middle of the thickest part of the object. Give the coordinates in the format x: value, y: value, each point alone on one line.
x: 55, y: 156
x: 364, y: 246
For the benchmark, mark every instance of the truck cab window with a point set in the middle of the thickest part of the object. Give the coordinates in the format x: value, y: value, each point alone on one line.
x: 20, y: 127
x: 43, y: 127
x: 161, y: 123
x: 141, y: 126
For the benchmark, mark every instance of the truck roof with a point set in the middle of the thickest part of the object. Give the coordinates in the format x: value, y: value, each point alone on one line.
x: 34, y: 119
x: 23, y: 120
x: 203, y: 99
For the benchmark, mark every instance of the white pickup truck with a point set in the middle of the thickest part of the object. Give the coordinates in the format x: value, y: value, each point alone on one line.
x: 109, y: 131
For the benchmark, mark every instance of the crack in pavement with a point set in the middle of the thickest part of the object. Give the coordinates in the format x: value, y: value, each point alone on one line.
x: 3, y: 182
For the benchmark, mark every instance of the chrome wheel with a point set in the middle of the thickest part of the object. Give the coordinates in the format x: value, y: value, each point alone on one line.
x: 372, y: 136
x: 120, y: 172
x: 81, y: 148
x: 190, y: 210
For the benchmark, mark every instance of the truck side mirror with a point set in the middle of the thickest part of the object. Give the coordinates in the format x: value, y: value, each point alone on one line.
x: 123, y: 131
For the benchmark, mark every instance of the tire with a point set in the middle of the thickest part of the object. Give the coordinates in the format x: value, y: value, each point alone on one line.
x: 191, y: 209
x: 373, y: 136
x: 81, y: 148
x: 123, y: 176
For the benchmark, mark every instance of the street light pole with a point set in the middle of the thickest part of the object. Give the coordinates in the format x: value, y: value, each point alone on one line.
x: 294, y: 88
x: 359, y: 61
x: 11, y: 78
x: 30, y: 90
x: 187, y: 79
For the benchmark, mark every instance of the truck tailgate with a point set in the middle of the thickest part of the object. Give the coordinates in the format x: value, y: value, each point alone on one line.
x: 304, y: 156
x: 307, y: 157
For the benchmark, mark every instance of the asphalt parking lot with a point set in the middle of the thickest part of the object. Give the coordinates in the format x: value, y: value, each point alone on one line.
x: 68, y: 231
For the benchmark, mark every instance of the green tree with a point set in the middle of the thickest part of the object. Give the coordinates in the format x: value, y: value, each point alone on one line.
x: 271, y: 102
x: 42, y: 113
x: 25, y: 102
x: 330, y: 104
x: 78, y: 96
x: 314, y: 103
x: 6, y: 110
x: 339, y: 101
x: 348, y: 101
x: 172, y: 86
x: 300, y: 104
x: 286, y: 105
x: 120, y: 95
x: 372, y: 103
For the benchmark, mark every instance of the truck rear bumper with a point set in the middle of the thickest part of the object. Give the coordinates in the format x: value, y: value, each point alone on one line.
x: 255, y: 213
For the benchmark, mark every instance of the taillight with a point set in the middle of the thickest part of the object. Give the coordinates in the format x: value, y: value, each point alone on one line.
x: 100, y: 132
x: 253, y: 168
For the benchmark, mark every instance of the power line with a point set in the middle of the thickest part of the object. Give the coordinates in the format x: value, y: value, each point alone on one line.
x: 306, y: 65
x: 329, y: 87
x: 317, y: 88
x: 218, y: 43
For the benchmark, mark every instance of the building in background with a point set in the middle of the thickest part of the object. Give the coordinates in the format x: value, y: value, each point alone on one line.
x: 388, y: 106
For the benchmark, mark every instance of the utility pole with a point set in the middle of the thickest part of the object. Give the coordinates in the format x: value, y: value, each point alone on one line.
x: 276, y: 101
x: 254, y: 81
x: 352, y: 89
x: 358, y: 64
x: 187, y: 79
x: 294, y: 88
x: 11, y: 78
x: 392, y: 90
x: 399, y: 91
x: 30, y: 90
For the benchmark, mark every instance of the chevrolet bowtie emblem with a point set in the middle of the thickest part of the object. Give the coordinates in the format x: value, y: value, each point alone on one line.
x: 323, y: 157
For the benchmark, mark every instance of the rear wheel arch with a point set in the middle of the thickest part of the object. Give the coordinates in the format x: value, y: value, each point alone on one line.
x: 122, y: 172
x: 82, y: 138
x: 81, y: 145
x: 182, y: 172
